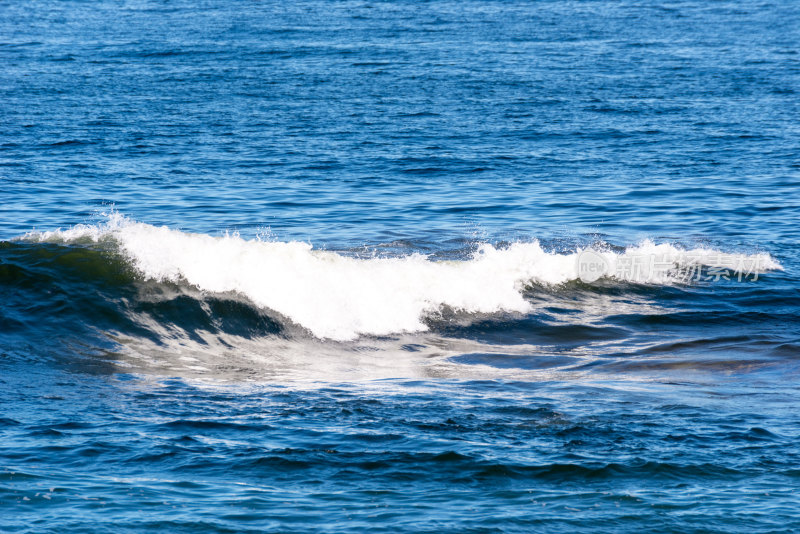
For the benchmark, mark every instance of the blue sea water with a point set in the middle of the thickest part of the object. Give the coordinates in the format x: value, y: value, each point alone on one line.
x: 325, y: 266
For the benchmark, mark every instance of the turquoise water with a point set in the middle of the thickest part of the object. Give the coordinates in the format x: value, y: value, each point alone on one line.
x: 434, y: 266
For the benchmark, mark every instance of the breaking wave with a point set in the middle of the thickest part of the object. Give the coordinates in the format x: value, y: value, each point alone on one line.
x: 338, y: 296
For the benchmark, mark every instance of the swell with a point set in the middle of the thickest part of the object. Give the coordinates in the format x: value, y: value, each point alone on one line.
x: 75, y: 293
x: 136, y: 279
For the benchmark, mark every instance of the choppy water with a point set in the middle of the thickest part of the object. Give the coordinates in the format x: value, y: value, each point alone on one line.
x: 333, y: 266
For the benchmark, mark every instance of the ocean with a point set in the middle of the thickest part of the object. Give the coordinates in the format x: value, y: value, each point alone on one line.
x: 436, y: 266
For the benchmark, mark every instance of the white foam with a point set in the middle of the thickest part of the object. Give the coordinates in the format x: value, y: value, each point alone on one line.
x: 340, y: 297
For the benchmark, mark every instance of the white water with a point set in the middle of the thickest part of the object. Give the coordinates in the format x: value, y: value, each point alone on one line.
x: 340, y: 297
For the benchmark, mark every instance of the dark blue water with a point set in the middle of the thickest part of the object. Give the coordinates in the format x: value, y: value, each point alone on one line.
x: 333, y: 266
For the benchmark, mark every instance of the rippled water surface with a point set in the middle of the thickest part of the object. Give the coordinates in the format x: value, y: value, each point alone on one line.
x: 440, y: 266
